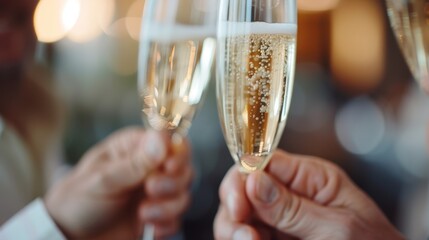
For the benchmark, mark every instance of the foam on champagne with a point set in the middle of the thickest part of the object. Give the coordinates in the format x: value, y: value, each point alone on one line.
x: 245, y: 28
x: 178, y: 32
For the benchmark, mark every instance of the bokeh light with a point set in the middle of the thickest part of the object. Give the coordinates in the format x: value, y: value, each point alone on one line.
x: 133, y: 20
x: 360, y: 126
x: 94, y: 15
x: 54, y: 18
x: 358, y: 45
x: 70, y: 13
x: 105, y: 17
x: 118, y: 29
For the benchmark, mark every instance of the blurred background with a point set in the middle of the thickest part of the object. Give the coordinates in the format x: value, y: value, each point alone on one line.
x: 355, y: 102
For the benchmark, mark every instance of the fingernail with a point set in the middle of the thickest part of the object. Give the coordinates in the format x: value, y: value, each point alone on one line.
x: 154, y: 148
x: 151, y: 213
x: 242, y: 234
x: 266, y: 190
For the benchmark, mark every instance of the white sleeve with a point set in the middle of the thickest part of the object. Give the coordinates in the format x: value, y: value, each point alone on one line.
x: 32, y: 223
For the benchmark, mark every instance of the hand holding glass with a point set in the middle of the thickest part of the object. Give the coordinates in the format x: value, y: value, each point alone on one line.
x: 175, y: 61
x: 255, y: 74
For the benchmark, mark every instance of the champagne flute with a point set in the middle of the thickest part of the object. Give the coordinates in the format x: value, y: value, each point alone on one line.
x: 177, y: 52
x: 255, y: 73
x: 410, y: 22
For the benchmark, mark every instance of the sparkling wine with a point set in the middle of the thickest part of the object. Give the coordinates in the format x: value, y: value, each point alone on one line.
x: 175, y: 71
x: 255, y: 88
x: 410, y: 22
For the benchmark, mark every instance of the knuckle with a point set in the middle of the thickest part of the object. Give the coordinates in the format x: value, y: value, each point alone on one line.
x: 151, y: 186
x: 217, y: 233
x: 232, y: 183
x: 349, y: 223
x: 334, y: 170
x: 223, y: 189
x: 219, y: 224
x: 139, y: 167
x: 136, y: 170
x: 289, y: 214
x: 101, y: 180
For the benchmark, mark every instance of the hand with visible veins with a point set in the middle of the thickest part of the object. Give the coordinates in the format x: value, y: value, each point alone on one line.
x: 298, y: 197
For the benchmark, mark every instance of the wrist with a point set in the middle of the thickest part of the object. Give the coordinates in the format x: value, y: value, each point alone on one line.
x: 55, y: 216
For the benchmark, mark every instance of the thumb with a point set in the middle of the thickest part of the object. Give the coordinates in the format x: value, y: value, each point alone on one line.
x: 284, y: 210
x: 146, y: 152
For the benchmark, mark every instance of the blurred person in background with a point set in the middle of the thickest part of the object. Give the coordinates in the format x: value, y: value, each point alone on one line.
x: 112, y: 192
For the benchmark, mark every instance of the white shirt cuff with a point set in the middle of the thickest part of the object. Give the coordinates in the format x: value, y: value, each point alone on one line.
x: 33, y: 222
